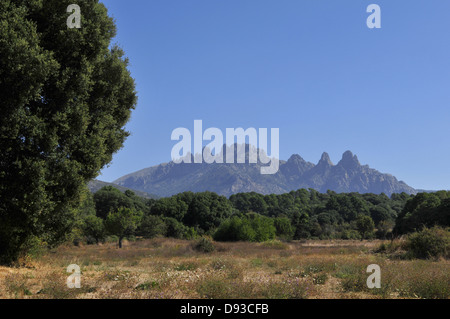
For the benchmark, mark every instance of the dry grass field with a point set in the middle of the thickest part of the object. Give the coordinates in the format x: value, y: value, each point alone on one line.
x: 173, y: 269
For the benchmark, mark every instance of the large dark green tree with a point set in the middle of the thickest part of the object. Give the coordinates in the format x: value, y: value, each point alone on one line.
x: 65, y: 96
x: 109, y: 199
x: 424, y: 210
x: 207, y: 210
x: 122, y: 223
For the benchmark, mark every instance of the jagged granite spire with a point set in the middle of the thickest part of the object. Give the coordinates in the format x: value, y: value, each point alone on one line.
x: 349, y: 160
x: 325, y: 160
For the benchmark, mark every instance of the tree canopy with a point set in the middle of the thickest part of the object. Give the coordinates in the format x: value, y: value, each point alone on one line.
x: 65, y: 96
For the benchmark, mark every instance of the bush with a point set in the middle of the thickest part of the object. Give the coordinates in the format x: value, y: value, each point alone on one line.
x: 429, y: 243
x: 204, y: 245
x: 175, y: 229
x: 33, y: 248
x: 93, y: 229
x: 284, y: 229
x: 152, y: 226
x: 350, y: 235
x: 251, y: 227
x: 365, y: 226
x: 394, y: 249
x: 148, y: 285
x: 428, y: 287
x: 112, y: 239
x: 122, y: 223
x: 275, y: 244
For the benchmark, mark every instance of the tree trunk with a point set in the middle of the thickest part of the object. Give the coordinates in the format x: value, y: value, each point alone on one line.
x: 120, y: 242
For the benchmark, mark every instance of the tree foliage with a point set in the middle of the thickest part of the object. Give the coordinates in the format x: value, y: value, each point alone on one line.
x: 65, y: 96
x: 250, y: 227
x: 424, y: 210
x: 122, y: 223
x: 109, y: 199
x: 365, y: 226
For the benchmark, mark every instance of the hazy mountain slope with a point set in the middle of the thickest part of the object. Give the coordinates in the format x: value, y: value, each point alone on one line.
x: 226, y: 179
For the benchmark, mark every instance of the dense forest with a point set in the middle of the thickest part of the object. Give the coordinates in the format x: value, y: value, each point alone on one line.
x: 301, y: 214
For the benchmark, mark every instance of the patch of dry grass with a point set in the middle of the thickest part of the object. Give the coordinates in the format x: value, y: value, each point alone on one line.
x: 168, y: 268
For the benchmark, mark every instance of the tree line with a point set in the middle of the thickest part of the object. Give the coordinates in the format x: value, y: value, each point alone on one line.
x: 301, y: 214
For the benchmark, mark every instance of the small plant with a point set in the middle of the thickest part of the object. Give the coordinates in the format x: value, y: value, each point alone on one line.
x: 291, y: 289
x: 275, y: 244
x: 394, y: 249
x: 431, y: 288
x: 117, y: 275
x: 257, y: 262
x: 355, y: 283
x: 346, y: 271
x: 55, y: 287
x: 147, y: 285
x: 185, y: 267
x: 220, y: 264
x: 320, y: 279
x: 312, y: 269
x: 17, y: 285
x: 215, y: 289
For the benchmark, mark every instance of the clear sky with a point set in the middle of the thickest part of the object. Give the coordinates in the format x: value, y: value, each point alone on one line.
x: 311, y: 68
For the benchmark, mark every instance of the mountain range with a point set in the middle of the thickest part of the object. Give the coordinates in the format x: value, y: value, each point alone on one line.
x: 348, y: 175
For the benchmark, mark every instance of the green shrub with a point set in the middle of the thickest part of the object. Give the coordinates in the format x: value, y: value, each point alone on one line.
x: 186, y: 267
x: 251, y: 227
x: 345, y: 271
x: 204, y: 245
x: 292, y: 289
x: 365, y: 226
x: 34, y: 248
x: 152, y: 226
x: 147, y: 285
x: 190, y: 233
x: 350, y: 234
x: 220, y: 264
x: 112, y: 239
x: 275, y: 244
x: 17, y: 285
x: 355, y: 282
x: 176, y: 229
x: 431, y: 288
x: 284, y: 229
x: 429, y: 243
x: 257, y: 262
x: 320, y: 279
x: 93, y: 229
x: 394, y: 249
x: 216, y: 289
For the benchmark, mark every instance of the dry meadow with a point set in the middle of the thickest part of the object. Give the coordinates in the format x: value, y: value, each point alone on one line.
x: 172, y: 269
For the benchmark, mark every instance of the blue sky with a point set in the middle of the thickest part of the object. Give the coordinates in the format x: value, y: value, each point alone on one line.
x: 313, y: 69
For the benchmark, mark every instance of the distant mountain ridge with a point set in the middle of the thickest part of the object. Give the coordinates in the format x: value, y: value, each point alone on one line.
x: 226, y: 179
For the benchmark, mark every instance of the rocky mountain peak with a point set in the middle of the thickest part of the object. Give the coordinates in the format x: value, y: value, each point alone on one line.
x: 325, y: 160
x: 296, y: 159
x: 349, y: 160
